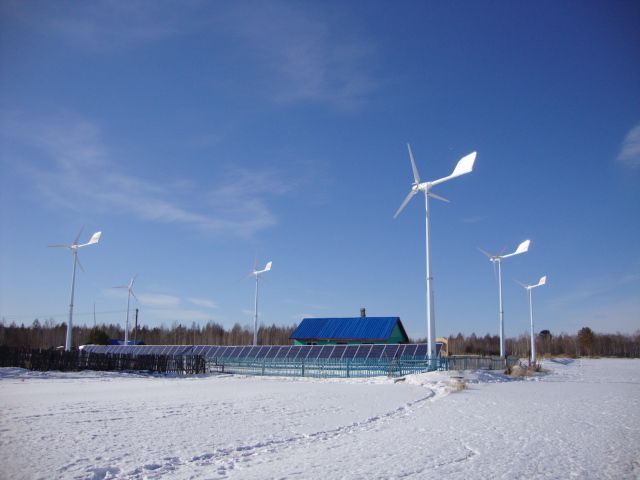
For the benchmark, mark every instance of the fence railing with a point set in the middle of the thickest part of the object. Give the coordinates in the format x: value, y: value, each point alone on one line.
x: 46, y: 360
x: 325, y: 367
x: 479, y: 363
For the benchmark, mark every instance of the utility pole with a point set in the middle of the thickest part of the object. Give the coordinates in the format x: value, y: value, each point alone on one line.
x: 135, y: 332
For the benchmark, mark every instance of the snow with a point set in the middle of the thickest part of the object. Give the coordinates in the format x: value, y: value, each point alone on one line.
x: 579, y: 420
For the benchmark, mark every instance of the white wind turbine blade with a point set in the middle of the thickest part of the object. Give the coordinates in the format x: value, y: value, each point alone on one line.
x: 406, y: 200
x: 134, y: 295
x: 79, y: 264
x: 261, y: 278
x: 437, y: 196
x: 75, y: 242
x: 246, y: 276
x: 133, y: 280
x: 413, y: 166
x: 525, y: 286
x: 523, y: 247
x: 487, y: 254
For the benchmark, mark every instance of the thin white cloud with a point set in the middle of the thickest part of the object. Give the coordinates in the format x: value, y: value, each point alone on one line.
x: 203, y: 302
x: 291, y: 52
x: 310, y: 56
x: 155, y: 300
x: 630, y: 152
x: 75, y: 170
x: 107, y: 25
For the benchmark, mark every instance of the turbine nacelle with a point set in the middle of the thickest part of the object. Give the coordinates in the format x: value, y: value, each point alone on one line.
x: 258, y: 272
x: 128, y: 287
x: 540, y: 282
x: 464, y: 165
x: 523, y: 247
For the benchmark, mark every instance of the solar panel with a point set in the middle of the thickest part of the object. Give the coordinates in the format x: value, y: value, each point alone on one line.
x: 326, y: 351
x: 338, y: 351
x: 211, y: 350
x: 293, y: 351
x: 273, y: 351
x: 242, y: 352
x: 253, y: 351
x: 350, y: 351
x: 376, y: 351
x: 409, y: 350
x: 422, y: 349
x: 229, y: 352
x: 198, y: 350
x: 314, y: 351
x: 390, y: 351
x: 222, y: 353
x: 363, y: 351
x: 284, y: 351
x: 260, y: 352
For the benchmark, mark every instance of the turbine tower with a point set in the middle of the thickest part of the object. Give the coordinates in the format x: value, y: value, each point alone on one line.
x: 465, y: 165
x: 257, y: 274
x: 126, y: 330
x: 74, y: 249
x: 542, y: 281
x: 523, y: 247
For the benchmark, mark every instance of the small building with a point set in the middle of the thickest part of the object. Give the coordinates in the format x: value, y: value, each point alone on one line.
x: 121, y: 342
x: 347, y: 331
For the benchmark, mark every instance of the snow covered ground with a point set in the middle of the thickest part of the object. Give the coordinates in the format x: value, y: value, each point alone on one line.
x: 580, y: 420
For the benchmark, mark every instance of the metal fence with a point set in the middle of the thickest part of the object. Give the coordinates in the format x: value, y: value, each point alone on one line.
x: 326, y: 367
x: 479, y: 363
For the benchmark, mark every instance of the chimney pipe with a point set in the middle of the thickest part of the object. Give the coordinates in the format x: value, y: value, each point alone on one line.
x: 362, y: 313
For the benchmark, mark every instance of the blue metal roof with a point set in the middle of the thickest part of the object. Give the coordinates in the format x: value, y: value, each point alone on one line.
x: 357, y: 328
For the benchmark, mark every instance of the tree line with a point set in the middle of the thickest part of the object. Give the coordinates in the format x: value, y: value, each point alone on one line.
x: 584, y: 343
x: 49, y: 334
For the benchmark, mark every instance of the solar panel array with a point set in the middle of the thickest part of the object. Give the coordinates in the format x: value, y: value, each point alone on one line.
x: 276, y: 351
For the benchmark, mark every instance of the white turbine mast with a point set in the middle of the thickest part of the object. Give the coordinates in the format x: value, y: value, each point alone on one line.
x: 464, y: 165
x: 74, y: 249
x: 529, y: 287
x: 128, y: 287
x: 257, y: 273
x: 523, y: 247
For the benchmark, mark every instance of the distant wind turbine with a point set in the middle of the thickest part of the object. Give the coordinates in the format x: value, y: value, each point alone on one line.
x: 74, y: 249
x: 126, y: 331
x: 465, y: 165
x: 529, y: 287
x: 257, y: 274
x: 523, y: 247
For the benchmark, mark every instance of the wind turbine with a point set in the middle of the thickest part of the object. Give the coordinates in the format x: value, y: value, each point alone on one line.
x: 257, y: 274
x: 542, y: 281
x: 126, y: 331
x: 465, y: 165
x: 523, y: 247
x: 74, y: 248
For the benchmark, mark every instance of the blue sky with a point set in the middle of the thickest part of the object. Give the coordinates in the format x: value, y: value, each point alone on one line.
x: 197, y: 135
